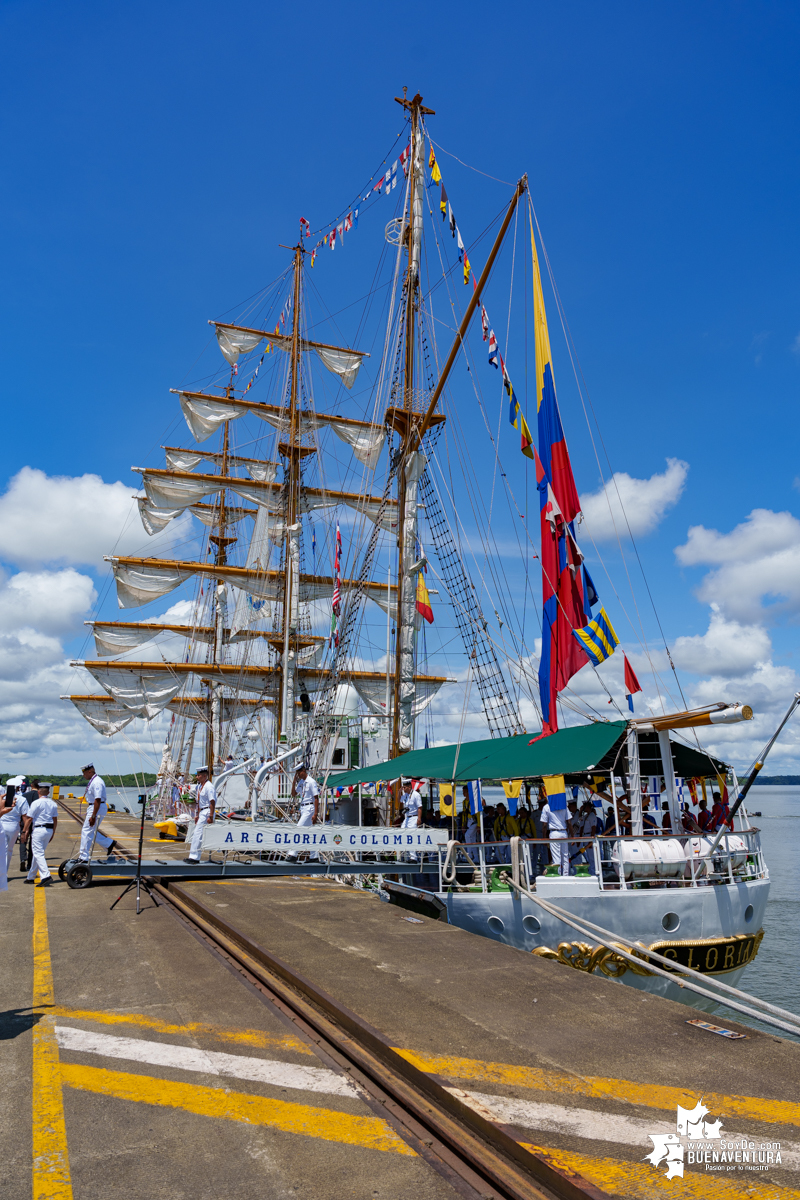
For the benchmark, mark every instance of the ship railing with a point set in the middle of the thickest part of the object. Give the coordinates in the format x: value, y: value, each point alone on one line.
x: 618, y: 863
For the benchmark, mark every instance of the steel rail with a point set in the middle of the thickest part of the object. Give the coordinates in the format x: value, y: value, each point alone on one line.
x: 479, y: 1157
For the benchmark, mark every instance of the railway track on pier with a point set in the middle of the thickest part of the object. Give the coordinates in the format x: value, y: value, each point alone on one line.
x: 478, y: 1156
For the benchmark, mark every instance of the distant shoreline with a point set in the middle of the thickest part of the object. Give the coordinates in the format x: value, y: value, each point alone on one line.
x: 73, y: 781
x: 778, y: 780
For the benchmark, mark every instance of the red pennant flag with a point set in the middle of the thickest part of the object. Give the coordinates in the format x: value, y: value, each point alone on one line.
x: 632, y: 684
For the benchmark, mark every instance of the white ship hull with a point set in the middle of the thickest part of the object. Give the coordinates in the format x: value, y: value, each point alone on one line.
x: 650, y: 915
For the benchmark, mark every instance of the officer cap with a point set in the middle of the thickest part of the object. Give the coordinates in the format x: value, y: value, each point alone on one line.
x: 201, y: 771
x: 44, y: 787
x: 88, y: 767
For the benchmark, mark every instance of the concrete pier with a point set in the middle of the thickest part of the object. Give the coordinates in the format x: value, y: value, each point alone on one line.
x: 135, y: 1059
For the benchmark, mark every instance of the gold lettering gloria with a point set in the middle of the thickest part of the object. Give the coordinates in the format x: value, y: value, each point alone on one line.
x: 707, y: 956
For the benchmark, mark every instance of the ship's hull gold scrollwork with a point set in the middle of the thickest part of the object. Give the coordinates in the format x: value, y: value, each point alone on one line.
x: 708, y: 956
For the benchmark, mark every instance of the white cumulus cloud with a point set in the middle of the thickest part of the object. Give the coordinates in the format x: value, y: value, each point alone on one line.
x: 52, y: 602
x: 757, y: 562
x: 636, y: 503
x: 68, y: 520
x: 726, y: 649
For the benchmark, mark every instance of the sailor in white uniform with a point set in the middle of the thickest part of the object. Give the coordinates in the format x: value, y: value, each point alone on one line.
x: 96, y: 809
x: 307, y: 791
x: 6, y: 808
x: 206, y: 806
x: 412, y: 805
x: 411, y: 801
x: 15, y: 809
x: 41, y: 822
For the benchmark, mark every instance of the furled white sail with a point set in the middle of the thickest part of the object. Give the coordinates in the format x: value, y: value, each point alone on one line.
x: 110, y: 640
x: 204, y: 416
x: 175, y: 491
x: 343, y: 363
x: 140, y: 584
x: 267, y: 498
x: 186, y: 460
x: 233, y: 342
x: 182, y: 460
x: 106, y: 718
x: 155, y: 519
x: 267, y: 531
x: 366, y: 443
x: 266, y: 472
x: 144, y: 693
x: 210, y: 516
x: 373, y: 693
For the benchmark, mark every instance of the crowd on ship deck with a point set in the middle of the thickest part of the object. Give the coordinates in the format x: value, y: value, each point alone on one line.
x: 571, y: 839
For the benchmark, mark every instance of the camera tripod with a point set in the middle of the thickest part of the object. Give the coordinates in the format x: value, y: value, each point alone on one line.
x: 137, y: 880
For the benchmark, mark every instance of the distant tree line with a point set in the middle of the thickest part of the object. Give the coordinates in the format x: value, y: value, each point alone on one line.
x: 779, y: 780
x: 77, y: 781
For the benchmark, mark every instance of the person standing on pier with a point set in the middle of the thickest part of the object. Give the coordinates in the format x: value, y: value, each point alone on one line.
x: 306, y: 790
x: 12, y: 819
x: 41, y: 824
x: 26, y: 796
x: 206, y: 804
x: 96, y: 809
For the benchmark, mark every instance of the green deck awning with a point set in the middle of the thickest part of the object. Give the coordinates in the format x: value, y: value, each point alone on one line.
x: 568, y: 752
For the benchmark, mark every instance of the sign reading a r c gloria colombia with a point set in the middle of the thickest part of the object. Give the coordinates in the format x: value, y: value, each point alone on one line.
x: 239, y: 836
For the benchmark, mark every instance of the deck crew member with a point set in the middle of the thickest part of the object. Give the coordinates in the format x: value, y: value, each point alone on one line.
x: 41, y: 824
x: 555, y: 824
x: 307, y: 791
x: 411, y: 801
x: 505, y: 827
x: 15, y: 809
x: 206, y: 802
x: 96, y: 809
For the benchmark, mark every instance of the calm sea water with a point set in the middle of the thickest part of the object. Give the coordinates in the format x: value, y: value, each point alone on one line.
x: 774, y: 975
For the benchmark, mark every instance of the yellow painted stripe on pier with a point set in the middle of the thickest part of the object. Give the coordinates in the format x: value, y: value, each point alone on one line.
x: 640, y: 1181
x: 369, y: 1132
x: 51, y: 1176
x: 243, y: 1037
x: 650, y: 1095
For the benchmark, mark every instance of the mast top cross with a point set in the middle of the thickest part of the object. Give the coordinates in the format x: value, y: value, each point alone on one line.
x: 415, y: 103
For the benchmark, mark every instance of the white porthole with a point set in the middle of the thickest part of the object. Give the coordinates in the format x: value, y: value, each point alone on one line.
x: 671, y: 922
x: 496, y: 925
x: 530, y: 924
x: 748, y: 913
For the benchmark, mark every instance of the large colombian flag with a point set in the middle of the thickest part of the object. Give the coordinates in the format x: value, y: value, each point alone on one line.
x: 567, y: 592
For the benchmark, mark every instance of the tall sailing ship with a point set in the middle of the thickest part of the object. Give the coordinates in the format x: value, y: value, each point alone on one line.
x: 274, y: 655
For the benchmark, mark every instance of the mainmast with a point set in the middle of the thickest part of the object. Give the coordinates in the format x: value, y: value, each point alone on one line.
x: 219, y: 610
x: 293, y: 453
x: 411, y: 460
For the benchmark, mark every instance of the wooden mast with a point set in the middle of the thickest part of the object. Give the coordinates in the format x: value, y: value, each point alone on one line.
x: 286, y: 706
x: 404, y: 421
x: 221, y: 543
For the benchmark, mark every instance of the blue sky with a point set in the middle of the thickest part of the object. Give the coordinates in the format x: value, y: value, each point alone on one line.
x: 156, y: 156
